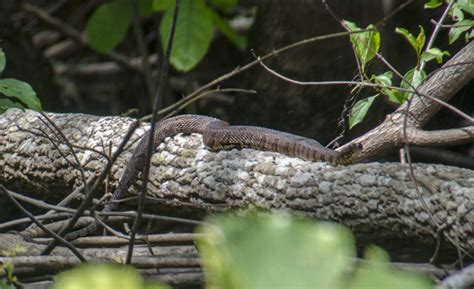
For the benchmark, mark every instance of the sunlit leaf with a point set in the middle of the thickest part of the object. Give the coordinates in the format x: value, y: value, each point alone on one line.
x: 19, y: 92
x: 459, y: 29
x: 412, y: 80
x: 466, y: 5
x: 431, y: 4
x: 366, y: 44
x: 408, y: 36
x: 3, y: 60
x: 103, y: 276
x: 420, y: 41
x: 108, y: 25
x: 193, y: 33
x: 261, y: 252
x: 360, y: 109
x: 384, y: 78
x: 434, y: 53
x: 376, y: 272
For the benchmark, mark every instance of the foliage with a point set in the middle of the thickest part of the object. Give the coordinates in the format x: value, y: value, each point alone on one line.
x: 103, y: 276
x: 7, y: 278
x: 269, y: 251
x: 195, y: 27
x: 16, y: 93
x: 367, y: 44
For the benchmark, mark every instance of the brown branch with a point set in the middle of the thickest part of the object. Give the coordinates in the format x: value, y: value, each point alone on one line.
x: 455, y: 136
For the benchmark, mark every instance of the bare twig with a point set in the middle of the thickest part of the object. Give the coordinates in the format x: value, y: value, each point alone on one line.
x: 154, y: 119
x: 56, y: 237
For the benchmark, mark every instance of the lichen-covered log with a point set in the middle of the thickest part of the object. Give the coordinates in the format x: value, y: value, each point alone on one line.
x: 378, y: 201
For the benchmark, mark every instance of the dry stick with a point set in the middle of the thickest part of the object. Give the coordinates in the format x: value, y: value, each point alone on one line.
x: 154, y: 119
x: 43, y: 205
x: 90, y: 194
x: 140, y: 38
x: 459, y: 280
x: 20, y: 221
x: 70, y: 32
x: 56, y: 237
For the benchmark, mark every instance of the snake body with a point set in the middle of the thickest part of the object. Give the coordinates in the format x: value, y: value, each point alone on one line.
x: 217, y: 135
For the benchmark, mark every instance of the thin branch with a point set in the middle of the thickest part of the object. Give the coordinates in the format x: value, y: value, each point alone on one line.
x: 249, y: 65
x: 436, y: 31
x: 455, y: 136
x: 90, y: 194
x: 55, y: 236
x: 154, y: 118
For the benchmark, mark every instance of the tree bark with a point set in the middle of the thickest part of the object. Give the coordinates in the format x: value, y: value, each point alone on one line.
x: 379, y: 201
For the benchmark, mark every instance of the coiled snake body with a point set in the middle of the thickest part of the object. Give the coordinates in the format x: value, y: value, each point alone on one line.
x: 218, y: 134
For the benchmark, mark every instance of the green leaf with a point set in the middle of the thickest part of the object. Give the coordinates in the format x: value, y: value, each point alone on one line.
x: 408, y: 36
x: 395, y: 96
x: 456, y: 13
x: 466, y: 5
x: 108, y: 25
x: 193, y: 33
x: 161, y: 5
x: 434, y: 53
x: 420, y: 41
x: 103, y: 276
x: 144, y: 7
x: 412, y: 79
x: 360, y: 109
x: 238, y: 40
x: 383, y: 79
x: 225, y: 5
x: 19, y: 91
x: 279, y: 251
x: 366, y: 44
x: 431, y: 4
x: 377, y: 273
x: 3, y: 60
x: 461, y: 27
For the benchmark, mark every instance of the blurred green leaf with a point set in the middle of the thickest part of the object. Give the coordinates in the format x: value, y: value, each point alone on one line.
x: 377, y: 273
x: 108, y: 25
x: 420, y: 41
x: 456, y: 12
x: 360, y: 109
x: 408, y: 36
x: 459, y: 29
x: 434, y: 53
x: 366, y: 44
x: 238, y: 40
x: 161, y: 5
x: 3, y: 60
x: 412, y: 79
x: 16, y: 91
x: 431, y: 4
x: 383, y: 79
x: 103, y: 276
x: 225, y: 5
x: 261, y: 252
x: 466, y: 5
x: 193, y: 33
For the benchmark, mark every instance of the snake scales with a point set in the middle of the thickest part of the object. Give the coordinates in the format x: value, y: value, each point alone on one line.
x: 218, y: 134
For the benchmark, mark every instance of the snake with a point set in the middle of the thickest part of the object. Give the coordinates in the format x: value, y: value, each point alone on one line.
x: 219, y: 135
